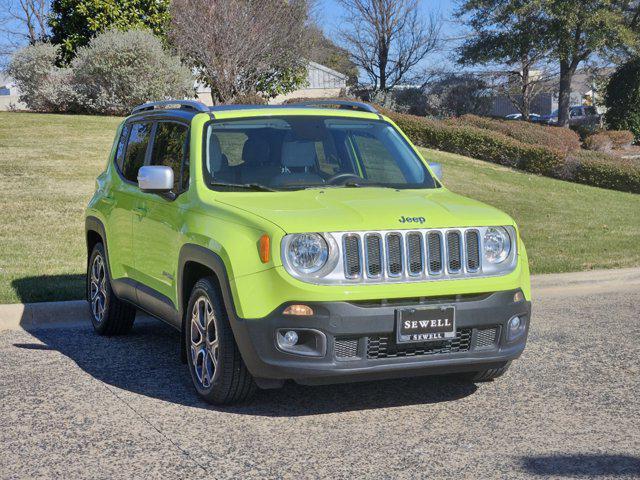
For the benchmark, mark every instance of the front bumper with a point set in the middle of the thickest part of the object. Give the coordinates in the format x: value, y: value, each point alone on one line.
x: 360, y: 341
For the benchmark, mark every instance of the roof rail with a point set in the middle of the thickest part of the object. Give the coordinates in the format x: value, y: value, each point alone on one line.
x: 182, y: 104
x: 341, y: 104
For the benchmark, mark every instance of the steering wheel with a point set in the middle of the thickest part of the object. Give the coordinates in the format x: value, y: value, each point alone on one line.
x: 341, y: 177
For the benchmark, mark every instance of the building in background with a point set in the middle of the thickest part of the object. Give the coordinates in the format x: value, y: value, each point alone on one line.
x: 322, y: 82
x: 9, y: 94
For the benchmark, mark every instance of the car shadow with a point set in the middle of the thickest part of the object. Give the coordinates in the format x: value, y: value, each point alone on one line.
x: 147, y: 362
x: 44, y: 288
x: 582, y: 465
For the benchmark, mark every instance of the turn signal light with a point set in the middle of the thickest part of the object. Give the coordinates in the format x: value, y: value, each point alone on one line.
x: 299, y: 310
x: 264, y: 248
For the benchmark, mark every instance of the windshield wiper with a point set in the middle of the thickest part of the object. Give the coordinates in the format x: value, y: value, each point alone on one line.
x: 245, y: 186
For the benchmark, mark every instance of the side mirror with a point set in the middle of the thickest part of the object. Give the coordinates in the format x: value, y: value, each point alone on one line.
x: 437, y: 169
x: 155, y: 179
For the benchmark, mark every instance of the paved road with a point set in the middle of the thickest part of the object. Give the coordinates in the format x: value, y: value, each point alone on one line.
x: 76, y: 405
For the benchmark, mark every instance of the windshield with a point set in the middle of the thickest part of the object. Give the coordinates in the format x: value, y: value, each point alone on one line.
x: 288, y: 153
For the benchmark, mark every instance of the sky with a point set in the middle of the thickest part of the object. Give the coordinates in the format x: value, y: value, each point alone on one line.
x: 330, y: 15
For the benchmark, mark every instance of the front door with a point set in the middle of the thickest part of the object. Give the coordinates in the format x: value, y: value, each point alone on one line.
x: 158, y: 219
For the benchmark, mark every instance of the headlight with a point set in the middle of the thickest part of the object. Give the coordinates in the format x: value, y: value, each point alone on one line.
x: 496, y: 245
x: 307, y: 252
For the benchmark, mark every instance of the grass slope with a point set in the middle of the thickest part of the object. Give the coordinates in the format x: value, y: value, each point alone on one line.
x: 48, y: 165
x: 565, y: 226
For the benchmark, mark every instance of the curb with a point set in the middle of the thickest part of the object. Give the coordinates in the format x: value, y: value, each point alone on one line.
x: 555, y: 285
x: 43, y: 315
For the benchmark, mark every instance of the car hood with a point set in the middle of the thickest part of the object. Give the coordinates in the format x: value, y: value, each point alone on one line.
x: 354, y: 209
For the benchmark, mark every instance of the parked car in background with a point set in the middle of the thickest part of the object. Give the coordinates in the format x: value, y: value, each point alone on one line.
x: 533, y: 117
x: 579, y: 115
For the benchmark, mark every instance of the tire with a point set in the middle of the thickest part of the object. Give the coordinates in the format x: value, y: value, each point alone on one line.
x: 491, y: 374
x: 109, y: 314
x: 217, y: 370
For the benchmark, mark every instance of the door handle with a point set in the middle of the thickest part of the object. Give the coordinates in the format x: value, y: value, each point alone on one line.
x: 140, y: 211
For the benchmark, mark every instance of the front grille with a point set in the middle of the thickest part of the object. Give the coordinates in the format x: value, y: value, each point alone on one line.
x: 386, y: 347
x: 398, y: 256
x: 346, y: 347
x: 486, y: 337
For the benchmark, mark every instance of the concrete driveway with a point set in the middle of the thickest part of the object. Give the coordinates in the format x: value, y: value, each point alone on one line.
x: 75, y: 405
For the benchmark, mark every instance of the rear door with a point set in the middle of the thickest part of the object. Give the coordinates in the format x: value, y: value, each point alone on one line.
x: 158, y: 222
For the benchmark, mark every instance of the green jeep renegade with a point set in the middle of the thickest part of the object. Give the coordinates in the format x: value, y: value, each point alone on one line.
x: 309, y: 242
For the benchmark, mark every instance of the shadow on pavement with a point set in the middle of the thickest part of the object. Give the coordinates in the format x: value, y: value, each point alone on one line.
x: 45, y: 288
x: 147, y: 362
x: 583, y: 465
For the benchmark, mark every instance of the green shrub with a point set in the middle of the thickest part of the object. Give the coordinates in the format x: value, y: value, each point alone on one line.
x: 480, y: 143
x: 113, y: 74
x: 43, y: 87
x: 119, y: 70
x: 561, y: 139
x: 622, y: 98
x: 598, y: 142
x: 606, y: 171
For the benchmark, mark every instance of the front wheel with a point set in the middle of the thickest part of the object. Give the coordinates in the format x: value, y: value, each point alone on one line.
x: 109, y: 314
x: 217, y: 369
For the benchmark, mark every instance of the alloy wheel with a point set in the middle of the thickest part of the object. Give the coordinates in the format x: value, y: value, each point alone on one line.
x: 98, y: 289
x: 205, y: 349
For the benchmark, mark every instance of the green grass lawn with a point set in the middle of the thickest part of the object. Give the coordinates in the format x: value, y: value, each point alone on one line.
x: 48, y: 165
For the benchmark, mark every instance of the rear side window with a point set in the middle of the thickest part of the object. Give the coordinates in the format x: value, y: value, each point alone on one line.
x: 136, y: 150
x: 170, y: 150
x: 122, y: 142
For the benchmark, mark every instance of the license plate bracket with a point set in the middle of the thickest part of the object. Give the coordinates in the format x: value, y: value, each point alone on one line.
x: 431, y: 324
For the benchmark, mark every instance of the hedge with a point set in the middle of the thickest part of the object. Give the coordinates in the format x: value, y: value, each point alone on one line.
x: 576, y: 165
x: 590, y: 168
x: 562, y: 139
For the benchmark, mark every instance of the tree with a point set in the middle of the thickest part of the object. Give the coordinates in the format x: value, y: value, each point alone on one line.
x: 22, y: 21
x: 387, y: 39
x: 511, y: 33
x: 243, y: 47
x: 622, y: 98
x: 455, y: 95
x: 323, y: 51
x: 579, y: 29
x: 75, y: 22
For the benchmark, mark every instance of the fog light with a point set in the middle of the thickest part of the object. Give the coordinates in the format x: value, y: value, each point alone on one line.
x: 515, y: 328
x: 289, y: 339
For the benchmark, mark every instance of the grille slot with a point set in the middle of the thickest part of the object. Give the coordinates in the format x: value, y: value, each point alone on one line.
x: 352, y: 265
x: 435, y: 253
x: 486, y: 337
x: 453, y: 251
x: 394, y: 254
x: 373, y: 244
x: 414, y: 253
x: 472, y: 240
x: 346, y: 347
x: 386, y: 347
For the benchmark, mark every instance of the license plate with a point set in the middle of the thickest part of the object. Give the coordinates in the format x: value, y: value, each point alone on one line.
x: 425, y: 324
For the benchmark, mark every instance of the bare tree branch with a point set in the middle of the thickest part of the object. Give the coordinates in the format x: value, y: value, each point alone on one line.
x: 241, y: 46
x: 388, y: 39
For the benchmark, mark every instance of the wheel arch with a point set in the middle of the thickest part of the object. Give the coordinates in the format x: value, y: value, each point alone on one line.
x: 196, y: 262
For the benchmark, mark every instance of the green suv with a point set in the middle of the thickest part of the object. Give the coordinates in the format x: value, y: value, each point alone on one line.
x: 308, y: 242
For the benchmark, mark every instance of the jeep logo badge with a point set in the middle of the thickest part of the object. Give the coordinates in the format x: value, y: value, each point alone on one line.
x: 404, y: 219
